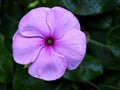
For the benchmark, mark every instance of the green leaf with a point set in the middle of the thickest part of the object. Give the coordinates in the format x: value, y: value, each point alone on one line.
x: 114, y: 41
x: 23, y: 81
x: 87, y: 70
x: 104, y: 56
x: 45, y: 3
x: 90, y: 7
x: 110, y: 81
x: 66, y: 85
x: 116, y: 17
x: 6, y: 65
x: 97, y: 21
x: 97, y: 47
x: 3, y: 86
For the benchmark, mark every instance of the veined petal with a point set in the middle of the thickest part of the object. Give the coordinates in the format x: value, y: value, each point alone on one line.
x: 61, y: 21
x: 48, y: 65
x: 73, y: 46
x: 34, y: 23
x: 25, y: 49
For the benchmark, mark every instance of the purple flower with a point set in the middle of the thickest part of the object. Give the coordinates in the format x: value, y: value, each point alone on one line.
x: 50, y: 40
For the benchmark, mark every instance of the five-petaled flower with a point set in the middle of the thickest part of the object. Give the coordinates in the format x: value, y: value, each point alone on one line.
x: 50, y: 40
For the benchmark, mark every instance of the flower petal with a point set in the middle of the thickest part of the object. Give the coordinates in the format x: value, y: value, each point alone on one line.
x: 73, y: 46
x: 34, y: 23
x: 60, y: 21
x: 25, y: 49
x: 48, y: 65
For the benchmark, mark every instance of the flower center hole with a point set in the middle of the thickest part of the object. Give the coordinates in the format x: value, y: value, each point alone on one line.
x: 49, y: 41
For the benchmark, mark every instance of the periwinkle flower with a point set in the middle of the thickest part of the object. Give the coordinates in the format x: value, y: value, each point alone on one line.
x: 50, y: 40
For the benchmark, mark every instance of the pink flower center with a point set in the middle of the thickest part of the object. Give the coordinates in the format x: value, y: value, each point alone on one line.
x: 49, y: 41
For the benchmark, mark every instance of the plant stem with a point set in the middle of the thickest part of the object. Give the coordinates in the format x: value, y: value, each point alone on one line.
x: 97, y: 43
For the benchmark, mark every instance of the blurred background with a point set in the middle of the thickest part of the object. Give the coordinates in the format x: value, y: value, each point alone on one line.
x: 100, y: 69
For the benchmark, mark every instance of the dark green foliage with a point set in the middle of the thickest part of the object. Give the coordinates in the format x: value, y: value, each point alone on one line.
x: 89, y: 69
x: 23, y: 81
x: 110, y: 81
x: 90, y: 7
x: 100, y: 69
x: 6, y: 63
x: 114, y: 41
